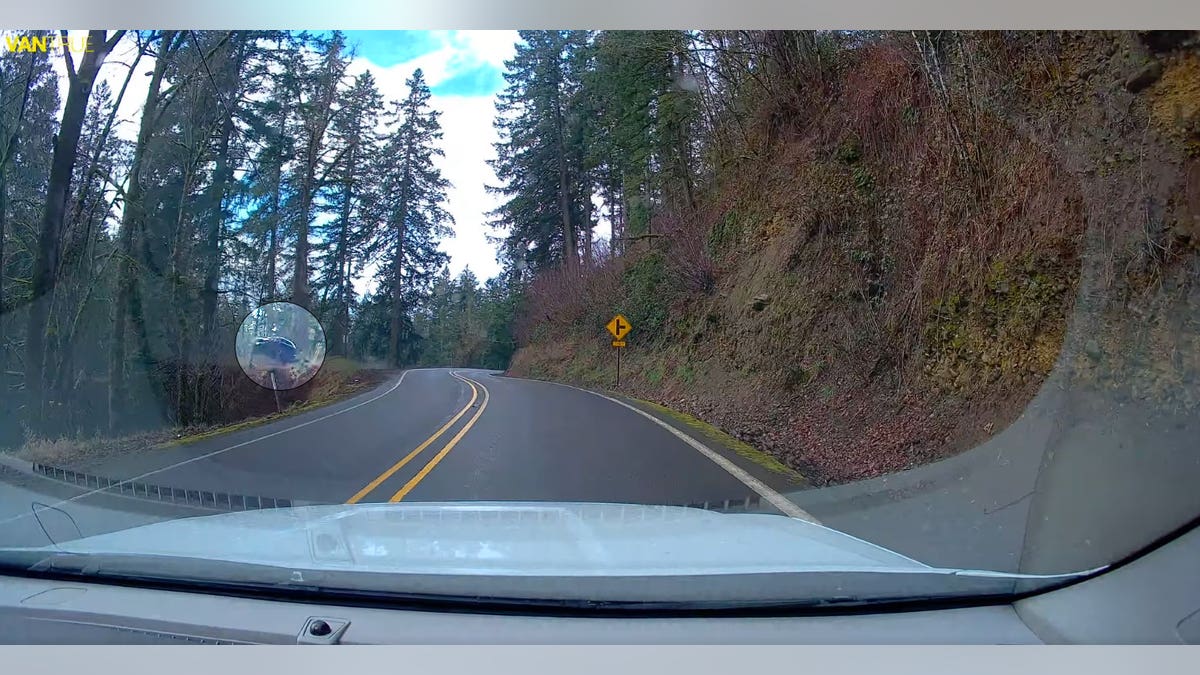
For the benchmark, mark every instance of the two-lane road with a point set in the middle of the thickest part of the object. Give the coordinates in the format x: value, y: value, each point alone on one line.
x: 454, y: 435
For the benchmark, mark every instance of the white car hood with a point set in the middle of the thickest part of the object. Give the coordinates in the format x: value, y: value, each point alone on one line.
x: 507, y: 538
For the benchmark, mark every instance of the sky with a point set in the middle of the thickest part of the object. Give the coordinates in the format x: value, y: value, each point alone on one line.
x: 464, y: 71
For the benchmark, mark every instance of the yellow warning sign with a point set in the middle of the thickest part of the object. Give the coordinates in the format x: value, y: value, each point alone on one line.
x: 619, y: 327
x: 618, y: 343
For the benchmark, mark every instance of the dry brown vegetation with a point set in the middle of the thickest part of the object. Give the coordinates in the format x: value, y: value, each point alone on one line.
x: 339, y: 378
x: 886, y: 273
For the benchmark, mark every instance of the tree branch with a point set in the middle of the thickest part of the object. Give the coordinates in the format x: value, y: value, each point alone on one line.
x: 68, y: 59
x: 320, y: 182
x: 112, y: 42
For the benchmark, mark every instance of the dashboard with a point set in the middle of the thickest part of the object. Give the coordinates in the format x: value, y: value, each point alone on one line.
x: 1154, y: 599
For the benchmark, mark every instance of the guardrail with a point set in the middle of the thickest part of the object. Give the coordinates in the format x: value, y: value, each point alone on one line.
x: 221, y: 501
x: 224, y: 501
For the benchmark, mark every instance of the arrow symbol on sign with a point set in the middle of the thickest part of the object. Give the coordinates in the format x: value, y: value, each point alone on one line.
x: 619, y: 327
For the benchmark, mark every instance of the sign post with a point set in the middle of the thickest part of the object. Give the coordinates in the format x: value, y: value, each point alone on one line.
x: 619, y: 327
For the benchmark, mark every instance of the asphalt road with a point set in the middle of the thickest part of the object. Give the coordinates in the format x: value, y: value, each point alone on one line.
x: 473, y: 435
x: 454, y: 435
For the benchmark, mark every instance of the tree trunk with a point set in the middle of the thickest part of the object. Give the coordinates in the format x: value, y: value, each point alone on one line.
x: 397, y: 285
x: 3, y: 220
x: 347, y: 300
x: 212, y: 241
x: 684, y: 157
x: 131, y: 219
x: 300, y: 273
x: 301, y: 294
x: 216, y: 222
x: 272, y: 281
x: 272, y: 278
x: 102, y: 138
x: 45, y: 269
x: 341, y: 320
x: 183, y: 349
x: 586, y: 230
x: 6, y: 153
x: 66, y: 380
x: 647, y: 197
x: 623, y: 220
x: 570, y: 248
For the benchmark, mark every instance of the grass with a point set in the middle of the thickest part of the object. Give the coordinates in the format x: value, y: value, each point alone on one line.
x: 654, y: 374
x: 742, y: 448
x: 685, y: 373
x: 250, y: 423
x: 62, y: 450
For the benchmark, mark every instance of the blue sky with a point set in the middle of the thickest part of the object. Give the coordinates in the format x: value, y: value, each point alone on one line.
x: 470, y: 71
x: 391, y: 47
x: 483, y: 79
x: 471, y: 67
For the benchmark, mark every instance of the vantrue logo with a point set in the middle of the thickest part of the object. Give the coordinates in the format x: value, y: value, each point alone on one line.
x: 46, y: 42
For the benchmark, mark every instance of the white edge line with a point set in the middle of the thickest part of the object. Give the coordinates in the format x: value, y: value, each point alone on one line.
x: 232, y: 447
x: 777, y: 500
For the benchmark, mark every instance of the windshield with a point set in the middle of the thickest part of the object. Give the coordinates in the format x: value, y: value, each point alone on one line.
x: 709, y: 317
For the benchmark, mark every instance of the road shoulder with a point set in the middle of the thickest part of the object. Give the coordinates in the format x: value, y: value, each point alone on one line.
x: 744, y: 463
x: 757, y: 463
x: 124, y: 463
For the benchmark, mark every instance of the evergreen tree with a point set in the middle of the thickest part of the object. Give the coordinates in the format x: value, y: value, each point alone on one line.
x: 538, y: 158
x: 318, y: 85
x: 412, y: 199
x: 641, y: 142
x: 352, y: 194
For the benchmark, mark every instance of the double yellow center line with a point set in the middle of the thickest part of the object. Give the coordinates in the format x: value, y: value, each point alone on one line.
x: 412, y: 483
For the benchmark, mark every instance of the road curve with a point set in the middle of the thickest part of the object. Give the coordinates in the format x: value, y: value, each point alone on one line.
x: 459, y: 435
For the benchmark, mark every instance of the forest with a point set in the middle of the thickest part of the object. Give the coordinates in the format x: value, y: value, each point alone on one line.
x: 259, y: 171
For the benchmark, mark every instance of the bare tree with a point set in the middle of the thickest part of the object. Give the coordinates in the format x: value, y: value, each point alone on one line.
x: 8, y: 144
x: 45, y: 271
x: 132, y: 216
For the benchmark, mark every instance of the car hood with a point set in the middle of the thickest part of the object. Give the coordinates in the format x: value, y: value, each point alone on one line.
x: 518, y: 539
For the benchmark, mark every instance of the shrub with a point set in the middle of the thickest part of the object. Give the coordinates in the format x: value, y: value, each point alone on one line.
x: 689, y: 263
x: 646, y: 299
